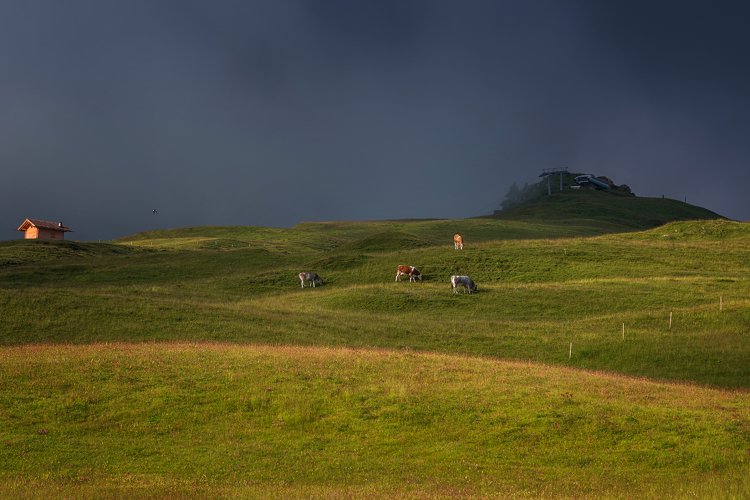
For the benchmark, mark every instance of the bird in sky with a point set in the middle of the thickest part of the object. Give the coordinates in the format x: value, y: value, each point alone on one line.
x: 154, y: 211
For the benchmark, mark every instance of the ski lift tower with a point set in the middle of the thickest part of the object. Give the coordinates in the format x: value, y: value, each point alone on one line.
x: 548, y: 172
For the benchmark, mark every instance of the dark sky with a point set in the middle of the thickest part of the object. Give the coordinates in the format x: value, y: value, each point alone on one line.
x: 275, y: 112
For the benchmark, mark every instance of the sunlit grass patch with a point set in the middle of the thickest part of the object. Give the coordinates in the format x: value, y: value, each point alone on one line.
x: 275, y: 419
x: 166, y: 392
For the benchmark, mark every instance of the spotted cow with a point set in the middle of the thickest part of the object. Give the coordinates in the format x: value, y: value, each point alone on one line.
x: 410, y: 271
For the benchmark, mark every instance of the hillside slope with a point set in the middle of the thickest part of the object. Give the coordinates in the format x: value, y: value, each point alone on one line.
x: 363, y: 237
x: 536, y: 295
x: 619, y: 213
x: 570, y: 213
x: 178, y: 420
x: 190, y: 362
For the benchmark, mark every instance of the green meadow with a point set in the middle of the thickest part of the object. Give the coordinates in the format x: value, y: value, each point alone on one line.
x: 606, y: 354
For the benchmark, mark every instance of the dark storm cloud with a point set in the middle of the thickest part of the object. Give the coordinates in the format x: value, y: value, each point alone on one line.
x: 275, y: 112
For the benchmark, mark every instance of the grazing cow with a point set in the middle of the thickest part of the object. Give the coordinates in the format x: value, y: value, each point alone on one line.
x: 458, y: 242
x: 410, y: 271
x: 464, y: 281
x: 311, y: 277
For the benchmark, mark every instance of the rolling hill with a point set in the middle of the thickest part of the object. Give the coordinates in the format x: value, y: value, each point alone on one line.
x: 617, y: 209
x: 618, y: 213
x: 605, y: 355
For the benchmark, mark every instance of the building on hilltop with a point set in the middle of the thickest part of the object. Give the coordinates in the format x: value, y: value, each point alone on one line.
x: 35, y: 229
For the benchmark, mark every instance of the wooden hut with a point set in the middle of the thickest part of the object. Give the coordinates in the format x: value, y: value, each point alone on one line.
x: 35, y: 229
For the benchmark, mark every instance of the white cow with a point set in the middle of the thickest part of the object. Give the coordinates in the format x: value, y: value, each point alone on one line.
x: 464, y: 281
x: 311, y: 277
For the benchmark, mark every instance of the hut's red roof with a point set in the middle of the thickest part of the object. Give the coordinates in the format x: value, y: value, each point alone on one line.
x: 44, y: 224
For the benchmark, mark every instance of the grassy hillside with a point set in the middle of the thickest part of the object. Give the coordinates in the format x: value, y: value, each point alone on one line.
x: 181, y: 420
x: 130, y: 366
x: 568, y: 214
x: 375, y: 236
x: 619, y: 213
x: 537, y: 296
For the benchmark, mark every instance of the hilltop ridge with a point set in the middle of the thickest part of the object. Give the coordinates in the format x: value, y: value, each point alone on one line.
x: 535, y: 214
x: 618, y: 208
x: 572, y: 212
x: 624, y: 213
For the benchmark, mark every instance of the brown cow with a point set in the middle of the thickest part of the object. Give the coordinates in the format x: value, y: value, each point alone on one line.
x: 410, y: 271
x: 458, y: 242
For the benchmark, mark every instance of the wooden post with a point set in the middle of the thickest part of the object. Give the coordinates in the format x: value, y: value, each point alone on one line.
x: 623, y: 331
x: 721, y: 302
x: 670, y: 320
x: 570, y: 352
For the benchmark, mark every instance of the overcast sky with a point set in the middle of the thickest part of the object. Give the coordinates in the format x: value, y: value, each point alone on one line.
x: 275, y: 112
